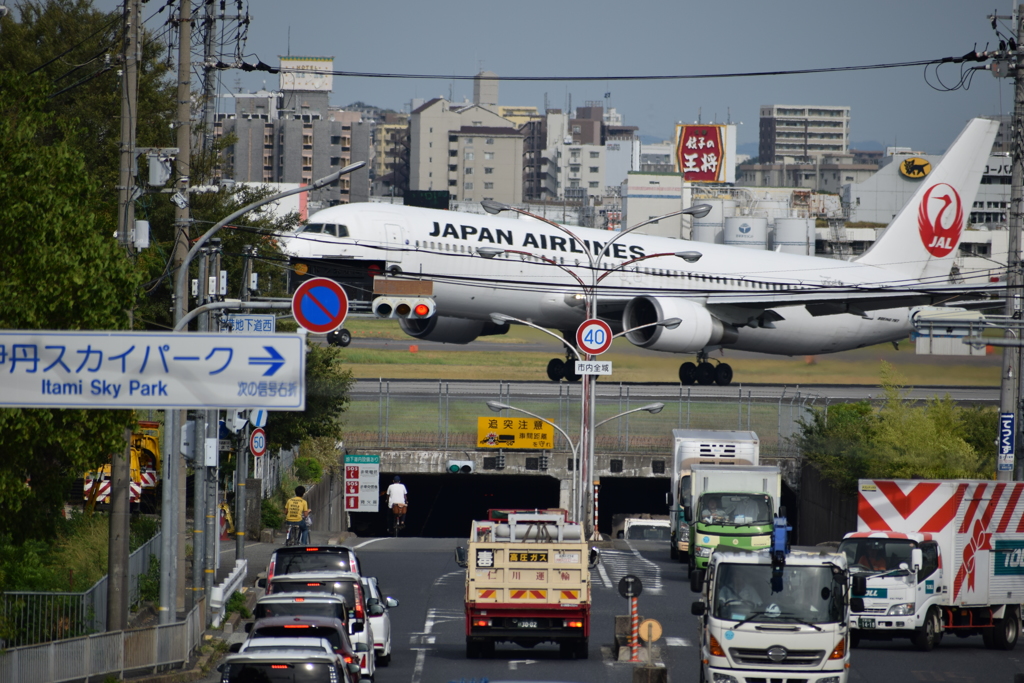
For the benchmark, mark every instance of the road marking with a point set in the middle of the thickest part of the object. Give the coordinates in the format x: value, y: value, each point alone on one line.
x: 677, y: 642
x: 514, y: 663
x: 622, y: 562
x: 604, y: 575
x: 444, y: 579
x: 372, y: 540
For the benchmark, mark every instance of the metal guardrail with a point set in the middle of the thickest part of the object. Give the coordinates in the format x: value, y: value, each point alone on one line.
x: 31, y: 617
x: 106, y: 654
x: 219, y: 595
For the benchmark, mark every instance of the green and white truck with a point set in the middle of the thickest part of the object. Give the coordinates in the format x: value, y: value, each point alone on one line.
x: 733, y: 507
x: 705, y: 447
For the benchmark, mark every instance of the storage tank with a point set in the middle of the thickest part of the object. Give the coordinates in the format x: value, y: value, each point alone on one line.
x: 771, y: 208
x: 747, y: 231
x: 794, y: 235
x: 710, y: 228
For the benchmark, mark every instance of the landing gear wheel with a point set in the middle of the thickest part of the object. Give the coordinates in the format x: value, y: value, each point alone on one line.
x: 705, y: 374
x: 570, y: 372
x: 556, y: 369
x: 1006, y: 630
x: 340, y: 337
x: 688, y: 373
x: 930, y: 634
x: 723, y: 375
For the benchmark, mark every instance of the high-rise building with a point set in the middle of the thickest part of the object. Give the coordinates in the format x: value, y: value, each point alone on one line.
x: 801, y: 134
x: 295, y: 136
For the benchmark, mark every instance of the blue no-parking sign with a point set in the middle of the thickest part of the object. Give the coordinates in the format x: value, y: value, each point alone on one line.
x: 320, y: 305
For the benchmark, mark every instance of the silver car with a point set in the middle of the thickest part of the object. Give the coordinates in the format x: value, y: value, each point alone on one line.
x: 377, y: 608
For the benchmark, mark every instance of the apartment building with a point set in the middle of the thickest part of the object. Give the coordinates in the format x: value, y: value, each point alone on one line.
x: 800, y: 134
x: 487, y: 163
x: 295, y: 136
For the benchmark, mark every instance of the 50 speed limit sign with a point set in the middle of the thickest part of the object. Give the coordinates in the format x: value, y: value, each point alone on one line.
x: 594, y: 336
x: 258, y: 442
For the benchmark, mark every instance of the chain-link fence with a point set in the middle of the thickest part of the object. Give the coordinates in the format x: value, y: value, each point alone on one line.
x: 443, y: 415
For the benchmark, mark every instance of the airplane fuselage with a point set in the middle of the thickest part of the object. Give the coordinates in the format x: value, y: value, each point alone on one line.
x: 538, y: 285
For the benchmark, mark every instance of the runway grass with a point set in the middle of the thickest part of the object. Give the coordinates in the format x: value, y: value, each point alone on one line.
x: 630, y: 364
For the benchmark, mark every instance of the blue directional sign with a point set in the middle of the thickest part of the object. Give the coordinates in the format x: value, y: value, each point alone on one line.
x: 1007, y: 433
x: 55, y: 369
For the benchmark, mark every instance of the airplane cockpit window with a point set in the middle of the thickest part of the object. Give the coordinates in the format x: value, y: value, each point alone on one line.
x: 314, y: 227
x: 329, y: 229
x: 342, y: 230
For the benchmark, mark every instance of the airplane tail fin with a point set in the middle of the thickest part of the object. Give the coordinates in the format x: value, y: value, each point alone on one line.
x: 922, y: 241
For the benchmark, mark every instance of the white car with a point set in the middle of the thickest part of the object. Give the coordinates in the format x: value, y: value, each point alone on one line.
x: 377, y: 608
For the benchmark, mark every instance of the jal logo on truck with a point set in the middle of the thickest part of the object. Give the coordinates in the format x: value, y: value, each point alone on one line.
x: 1009, y: 558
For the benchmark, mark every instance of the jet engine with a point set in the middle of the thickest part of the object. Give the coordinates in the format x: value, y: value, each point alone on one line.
x: 697, y: 330
x: 449, y: 330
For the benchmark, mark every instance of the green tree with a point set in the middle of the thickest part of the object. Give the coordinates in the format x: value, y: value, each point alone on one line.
x: 900, y: 439
x: 327, y: 384
x: 53, y: 233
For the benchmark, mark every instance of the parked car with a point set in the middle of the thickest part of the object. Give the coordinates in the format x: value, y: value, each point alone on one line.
x: 377, y: 607
x: 281, y: 666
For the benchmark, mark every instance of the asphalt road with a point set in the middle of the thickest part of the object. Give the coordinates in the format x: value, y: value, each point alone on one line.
x: 429, y: 640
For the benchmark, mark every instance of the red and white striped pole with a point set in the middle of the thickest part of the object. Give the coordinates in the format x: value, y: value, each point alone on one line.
x: 634, y: 631
x: 597, y: 488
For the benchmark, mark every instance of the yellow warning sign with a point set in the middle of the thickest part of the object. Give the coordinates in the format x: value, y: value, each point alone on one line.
x: 514, y: 432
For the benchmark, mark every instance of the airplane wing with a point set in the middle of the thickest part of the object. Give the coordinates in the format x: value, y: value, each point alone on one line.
x: 743, y: 307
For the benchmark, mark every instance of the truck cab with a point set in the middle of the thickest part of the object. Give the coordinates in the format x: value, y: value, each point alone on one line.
x: 766, y: 617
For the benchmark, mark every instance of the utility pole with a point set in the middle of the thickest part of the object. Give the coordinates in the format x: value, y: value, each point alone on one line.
x: 242, y: 455
x: 210, y: 79
x: 173, y: 508
x: 1009, y: 398
x: 199, y: 464
x: 213, y: 439
x: 117, y: 570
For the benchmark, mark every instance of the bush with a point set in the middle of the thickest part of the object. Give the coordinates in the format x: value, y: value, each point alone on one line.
x: 308, y: 470
x: 272, y: 514
x: 149, y: 583
x: 236, y: 603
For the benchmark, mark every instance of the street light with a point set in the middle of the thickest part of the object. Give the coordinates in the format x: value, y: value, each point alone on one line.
x: 590, y: 296
x: 652, y: 408
x: 169, y: 513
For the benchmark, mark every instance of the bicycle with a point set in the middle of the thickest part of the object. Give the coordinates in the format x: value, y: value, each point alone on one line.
x: 294, y: 535
x: 398, y: 523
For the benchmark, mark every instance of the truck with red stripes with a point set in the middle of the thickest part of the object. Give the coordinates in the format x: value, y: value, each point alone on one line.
x: 527, y: 582
x: 939, y: 557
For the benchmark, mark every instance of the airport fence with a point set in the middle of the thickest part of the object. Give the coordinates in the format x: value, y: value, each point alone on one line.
x: 443, y: 415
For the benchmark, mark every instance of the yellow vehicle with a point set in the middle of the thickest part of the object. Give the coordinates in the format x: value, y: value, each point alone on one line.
x: 144, y: 471
x: 527, y: 582
x: 96, y: 487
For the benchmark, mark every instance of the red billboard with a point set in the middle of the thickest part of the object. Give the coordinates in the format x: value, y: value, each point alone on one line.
x: 701, y: 153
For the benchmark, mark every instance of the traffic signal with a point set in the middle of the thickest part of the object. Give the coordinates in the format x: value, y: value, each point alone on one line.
x: 404, y: 307
x: 460, y: 466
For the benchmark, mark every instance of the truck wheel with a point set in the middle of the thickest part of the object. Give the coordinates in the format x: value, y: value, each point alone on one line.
x: 566, y: 649
x: 673, y: 552
x: 583, y: 649
x: 472, y: 649
x: 487, y: 649
x: 930, y: 633
x: 854, y: 638
x: 1006, y: 630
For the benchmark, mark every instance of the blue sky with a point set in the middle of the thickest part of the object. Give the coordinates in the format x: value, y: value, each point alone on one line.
x: 650, y: 37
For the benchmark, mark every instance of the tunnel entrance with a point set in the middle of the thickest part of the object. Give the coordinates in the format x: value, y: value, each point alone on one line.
x: 443, y: 505
x: 630, y: 495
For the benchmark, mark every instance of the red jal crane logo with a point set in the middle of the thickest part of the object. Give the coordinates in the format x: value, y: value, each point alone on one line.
x: 940, y: 219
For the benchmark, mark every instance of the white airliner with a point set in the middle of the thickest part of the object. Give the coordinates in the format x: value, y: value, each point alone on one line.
x: 732, y: 297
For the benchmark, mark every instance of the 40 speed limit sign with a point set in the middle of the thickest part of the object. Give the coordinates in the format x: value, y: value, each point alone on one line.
x: 594, y: 336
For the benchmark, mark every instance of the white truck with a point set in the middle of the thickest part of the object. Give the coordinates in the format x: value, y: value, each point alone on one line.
x: 733, y: 506
x: 939, y: 556
x: 775, y: 614
x: 708, y: 447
